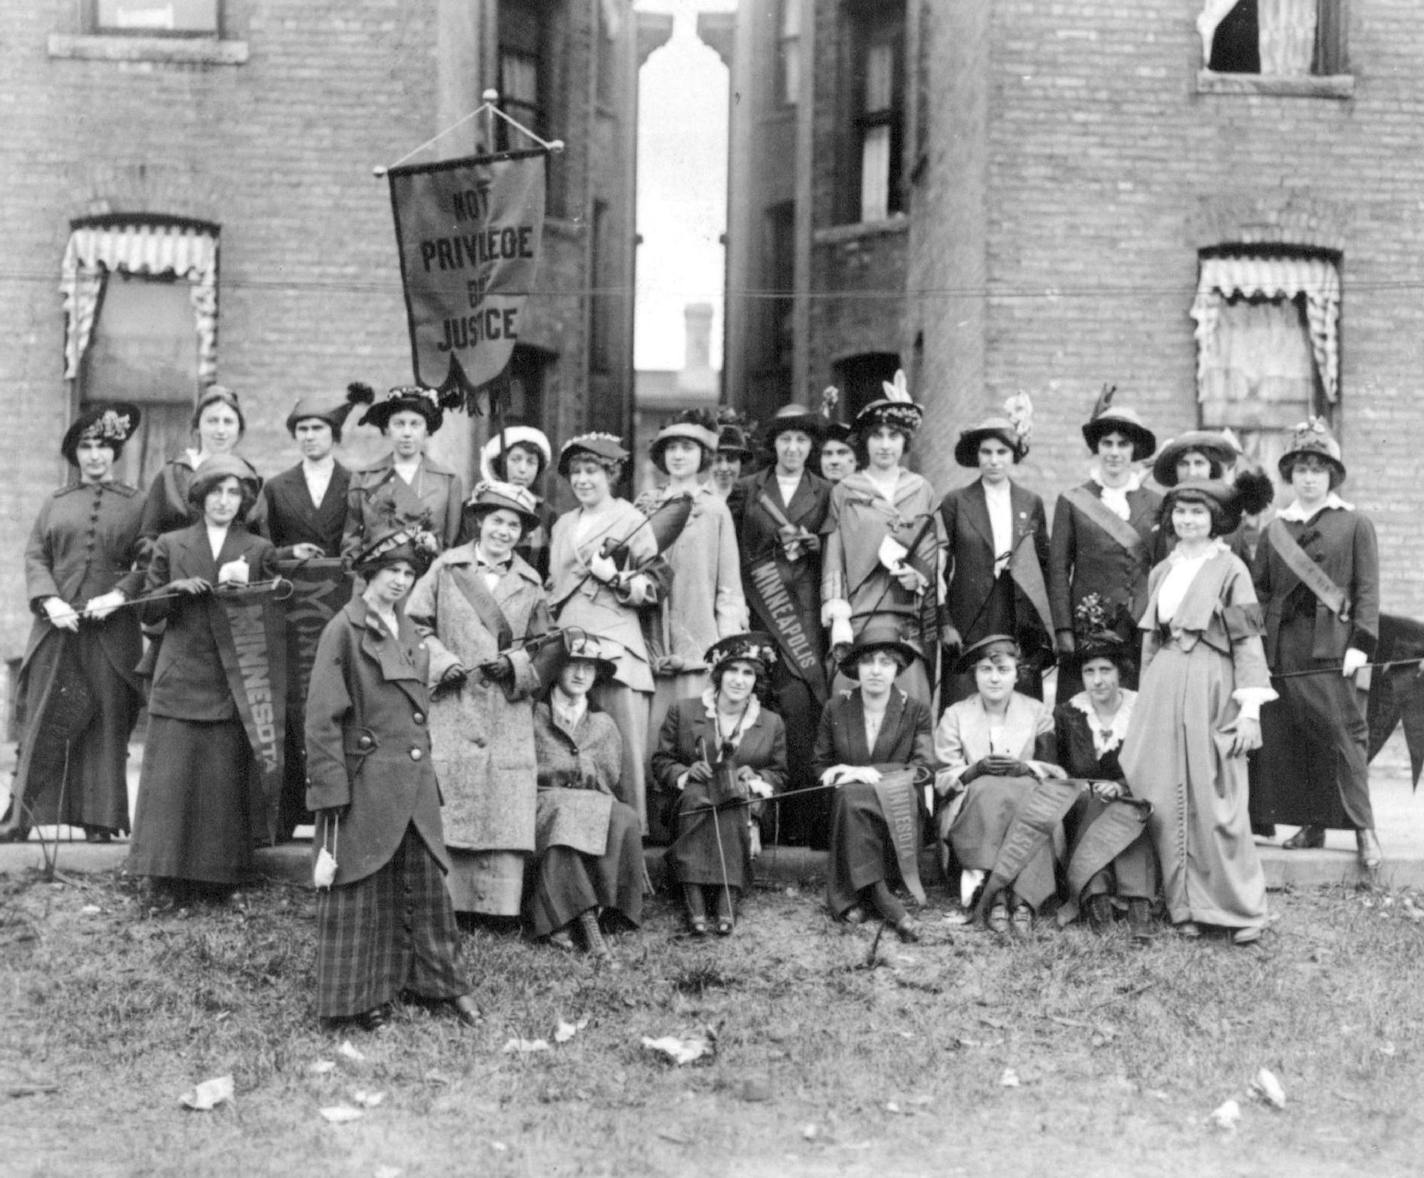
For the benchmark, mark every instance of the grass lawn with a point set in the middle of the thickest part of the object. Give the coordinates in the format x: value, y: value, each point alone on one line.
x: 833, y: 1055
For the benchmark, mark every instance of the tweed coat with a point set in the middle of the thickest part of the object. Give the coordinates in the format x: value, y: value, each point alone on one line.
x: 368, y: 742
x: 376, y: 493
x: 484, y: 741
x: 292, y: 517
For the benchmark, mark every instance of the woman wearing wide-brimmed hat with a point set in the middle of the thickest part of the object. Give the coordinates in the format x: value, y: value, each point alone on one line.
x: 874, y: 748
x: 1106, y: 536
x: 602, y: 572
x: 1317, y: 573
x: 1197, y: 714
x: 520, y: 454
x: 1201, y: 454
x: 996, y: 752
x: 384, y: 922
x: 478, y: 608
x: 588, y: 869
x: 996, y: 537
x: 704, y: 600
x: 200, y: 807
x: 881, y: 545
x: 718, y: 756
x: 82, y: 563
x: 1110, y: 862
x: 779, y: 514
x: 407, y: 486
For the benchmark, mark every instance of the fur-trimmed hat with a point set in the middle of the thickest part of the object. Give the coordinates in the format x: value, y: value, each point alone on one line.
x: 501, y: 441
x: 895, y: 409
x: 1013, y: 427
x: 112, y: 423
x: 1108, y: 418
x: 406, y: 398
x: 1311, y: 438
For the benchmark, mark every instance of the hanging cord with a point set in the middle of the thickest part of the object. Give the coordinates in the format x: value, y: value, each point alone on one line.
x: 488, y: 108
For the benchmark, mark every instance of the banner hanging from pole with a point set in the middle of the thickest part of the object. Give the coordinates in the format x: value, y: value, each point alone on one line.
x: 468, y: 234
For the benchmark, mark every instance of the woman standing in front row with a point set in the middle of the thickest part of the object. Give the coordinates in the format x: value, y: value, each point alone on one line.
x: 384, y: 921
x: 1197, y: 714
x: 200, y: 811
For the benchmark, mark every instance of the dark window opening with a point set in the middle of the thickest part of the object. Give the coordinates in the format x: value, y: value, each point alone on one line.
x: 861, y: 379
x: 878, y: 85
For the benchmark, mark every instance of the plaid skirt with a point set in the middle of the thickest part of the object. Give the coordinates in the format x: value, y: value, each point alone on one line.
x: 392, y: 932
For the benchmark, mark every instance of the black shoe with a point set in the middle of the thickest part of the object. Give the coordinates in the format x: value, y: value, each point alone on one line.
x: 1100, y: 912
x: 907, y: 929
x: 375, y: 1019
x: 1306, y: 838
x: 1139, y: 920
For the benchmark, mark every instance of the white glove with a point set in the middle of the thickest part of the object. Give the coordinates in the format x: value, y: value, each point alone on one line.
x: 835, y: 610
x: 841, y: 633
x: 60, y: 613
x: 1354, y: 660
x: 102, y: 606
x: 758, y: 787
x: 603, y: 569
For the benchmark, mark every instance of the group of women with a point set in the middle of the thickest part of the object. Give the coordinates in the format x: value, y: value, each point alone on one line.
x: 725, y: 658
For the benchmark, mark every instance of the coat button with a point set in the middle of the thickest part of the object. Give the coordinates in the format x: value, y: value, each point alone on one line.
x: 365, y: 742
x: 419, y: 717
x: 416, y: 754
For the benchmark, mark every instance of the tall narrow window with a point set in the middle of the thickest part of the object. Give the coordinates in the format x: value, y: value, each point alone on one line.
x: 788, y: 52
x: 878, y: 40
x: 523, y: 80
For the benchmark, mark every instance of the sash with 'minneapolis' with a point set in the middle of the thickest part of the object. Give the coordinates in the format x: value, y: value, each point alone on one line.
x: 801, y: 645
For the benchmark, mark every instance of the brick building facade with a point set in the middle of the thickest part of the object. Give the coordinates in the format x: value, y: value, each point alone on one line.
x: 246, y: 152
x: 1212, y: 205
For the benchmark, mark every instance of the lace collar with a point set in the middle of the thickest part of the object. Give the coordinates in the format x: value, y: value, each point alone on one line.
x: 1106, y: 739
x: 749, y: 717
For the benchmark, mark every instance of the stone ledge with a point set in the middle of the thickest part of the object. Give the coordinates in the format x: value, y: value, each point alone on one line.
x: 1312, y: 86
x: 171, y: 50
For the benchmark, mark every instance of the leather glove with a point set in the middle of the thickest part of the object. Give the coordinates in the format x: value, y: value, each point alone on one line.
x: 501, y: 670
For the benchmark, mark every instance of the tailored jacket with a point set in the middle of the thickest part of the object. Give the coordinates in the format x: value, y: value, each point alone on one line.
x: 166, y: 507
x: 368, y: 743
x: 293, y: 519
x: 1083, y: 559
x: 689, y: 730
x: 1342, y: 542
x: 760, y: 537
x: 963, y: 736
x: 188, y: 680
x: 970, y: 575
x: 377, y: 493
x: 903, y: 742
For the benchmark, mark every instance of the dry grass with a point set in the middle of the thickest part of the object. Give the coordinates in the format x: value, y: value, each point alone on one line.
x: 828, y: 1061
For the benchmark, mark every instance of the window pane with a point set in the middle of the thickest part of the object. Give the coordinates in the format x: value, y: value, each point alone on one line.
x: 150, y: 16
x: 875, y: 173
x: 879, y: 77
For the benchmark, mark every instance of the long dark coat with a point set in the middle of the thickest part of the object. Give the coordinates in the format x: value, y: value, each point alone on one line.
x: 292, y: 517
x: 1083, y: 559
x: 368, y: 742
x: 437, y: 496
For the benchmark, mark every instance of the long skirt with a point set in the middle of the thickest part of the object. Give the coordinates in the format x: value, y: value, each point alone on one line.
x: 567, y: 883
x: 712, y: 847
x: 1312, y: 767
x: 490, y: 883
x: 199, y: 806
x: 628, y: 709
x: 93, y: 790
x: 977, y: 832
x: 1200, y: 824
x: 392, y: 932
x: 805, y: 819
x: 1132, y: 875
x: 862, y: 849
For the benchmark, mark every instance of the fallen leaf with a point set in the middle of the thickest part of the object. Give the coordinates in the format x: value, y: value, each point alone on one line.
x: 209, y: 1094
x: 367, y: 1099
x: 525, y: 1046
x: 1225, y: 1115
x: 347, y: 1051
x: 681, y: 1050
x: 321, y: 1067
x: 1265, y: 1085
x: 567, y: 1031
x: 339, y: 1114
x: 1009, y: 1079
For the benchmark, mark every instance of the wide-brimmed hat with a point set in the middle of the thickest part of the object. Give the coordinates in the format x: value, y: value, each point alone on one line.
x: 794, y: 416
x: 406, y: 398
x: 986, y: 647
x: 1013, y: 427
x: 1250, y: 492
x: 113, y: 423
x: 493, y: 495
x: 513, y: 434
x: 402, y: 542
x: 895, y: 409
x: 1108, y: 418
x: 695, y: 426
x: 327, y: 409
x: 1214, y: 445
x: 605, y: 449
x: 578, y: 646
x: 754, y: 646
x: 216, y: 467
x: 880, y: 633
x: 219, y: 394
x: 1311, y: 438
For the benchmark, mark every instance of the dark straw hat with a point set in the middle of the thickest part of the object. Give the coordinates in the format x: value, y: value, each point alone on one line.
x: 1013, y: 427
x: 794, y: 417
x: 1213, y: 445
x: 880, y: 633
x: 398, y: 543
x: 409, y: 398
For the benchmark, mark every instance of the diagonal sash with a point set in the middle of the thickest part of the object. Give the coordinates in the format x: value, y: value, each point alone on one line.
x: 1123, y: 533
x: 1311, y: 575
x: 486, y: 607
x: 252, y: 646
x: 803, y: 646
x: 1110, y: 834
x: 896, y: 794
x: 1032, y: 826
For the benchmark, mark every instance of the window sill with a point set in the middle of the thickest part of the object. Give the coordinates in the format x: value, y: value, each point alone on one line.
x: 173, y: 50
x: 894, y: 223
x: 1315, y: 86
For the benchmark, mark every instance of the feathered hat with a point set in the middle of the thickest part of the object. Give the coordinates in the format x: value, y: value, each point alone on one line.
x: 895, y: 409
x: 1250, y: 492
x: 331, y: 411
x: 1108, y: 418
x: 1311, y: 438
x: 1013, y: 427
x: 112, y: 423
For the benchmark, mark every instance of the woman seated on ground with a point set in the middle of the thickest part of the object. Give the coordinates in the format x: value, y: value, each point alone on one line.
x: 385, y: 924
x: 718, y: 755
x: 874, y: 747
x: 588, y: 864
x: 996, y: 749
x: 1110, y: 860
